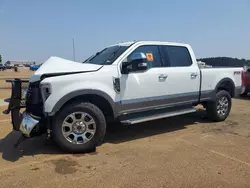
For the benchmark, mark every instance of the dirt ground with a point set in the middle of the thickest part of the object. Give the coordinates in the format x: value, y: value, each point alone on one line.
x: 184, y: 151
x: 5, y: 93
x: 23, y: 73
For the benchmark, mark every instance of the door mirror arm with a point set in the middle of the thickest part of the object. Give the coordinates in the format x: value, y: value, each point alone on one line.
x: 137, y: 61
x: 125, y: 67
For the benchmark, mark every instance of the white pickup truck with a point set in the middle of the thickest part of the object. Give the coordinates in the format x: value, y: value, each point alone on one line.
x: 129, y: 82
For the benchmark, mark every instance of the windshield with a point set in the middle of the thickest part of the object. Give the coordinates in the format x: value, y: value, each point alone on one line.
x: 107, y: 56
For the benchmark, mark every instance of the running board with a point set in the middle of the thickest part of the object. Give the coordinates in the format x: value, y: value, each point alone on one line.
x: 157, y: 116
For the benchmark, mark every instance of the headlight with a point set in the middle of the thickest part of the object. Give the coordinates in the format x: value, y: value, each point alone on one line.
x: 45, y: 90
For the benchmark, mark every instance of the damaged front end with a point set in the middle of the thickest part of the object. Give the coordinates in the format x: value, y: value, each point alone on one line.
x: 26, y: 108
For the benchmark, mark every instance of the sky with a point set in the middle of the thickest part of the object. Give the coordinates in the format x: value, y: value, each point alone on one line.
x: 35, y: 30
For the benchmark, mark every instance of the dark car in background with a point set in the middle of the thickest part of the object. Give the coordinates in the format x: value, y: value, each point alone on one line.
x: 34, y: 67
x: 27, y: 65
x: 2, y: 67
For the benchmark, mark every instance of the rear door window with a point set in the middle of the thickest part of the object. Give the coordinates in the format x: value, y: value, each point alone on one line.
x: 177, y: 56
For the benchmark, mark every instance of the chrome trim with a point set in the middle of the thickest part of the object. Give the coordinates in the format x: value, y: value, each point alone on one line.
x: 243, y: 89
x: 222, y: 106
x: 25, y: 93
x: 158, y: 116
x: 78, y: 128
x: 27, y: 125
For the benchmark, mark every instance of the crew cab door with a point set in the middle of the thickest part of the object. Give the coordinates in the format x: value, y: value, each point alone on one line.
x: 183, y: 81
x: 171, y: 79
x: 144, y: 89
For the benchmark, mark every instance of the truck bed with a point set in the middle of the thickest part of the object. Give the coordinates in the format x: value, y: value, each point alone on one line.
x: 210, y: 77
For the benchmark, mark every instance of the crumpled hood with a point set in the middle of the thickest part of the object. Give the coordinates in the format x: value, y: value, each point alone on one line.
x: 57, y: 65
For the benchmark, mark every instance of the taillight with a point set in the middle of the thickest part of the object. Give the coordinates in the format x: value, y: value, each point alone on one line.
x: 243, y: 78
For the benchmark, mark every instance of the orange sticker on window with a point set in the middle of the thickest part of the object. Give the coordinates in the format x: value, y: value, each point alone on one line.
x: 150, y: 57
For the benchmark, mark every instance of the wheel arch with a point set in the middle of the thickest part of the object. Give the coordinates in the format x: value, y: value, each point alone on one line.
x: 97, y: 97
x: 226, y: 84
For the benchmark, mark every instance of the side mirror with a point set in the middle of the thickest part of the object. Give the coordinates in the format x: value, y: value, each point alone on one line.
x: 136, y: 62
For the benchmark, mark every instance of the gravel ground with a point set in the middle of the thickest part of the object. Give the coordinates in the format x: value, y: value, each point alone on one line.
x: 184, y: 151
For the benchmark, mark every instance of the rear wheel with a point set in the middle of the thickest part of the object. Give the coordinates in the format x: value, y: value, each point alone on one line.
x: 79, y: 127
x: 219, y: 109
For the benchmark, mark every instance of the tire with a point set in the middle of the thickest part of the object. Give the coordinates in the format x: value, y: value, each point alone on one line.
x: 78, y: 142
x: 222, y: 113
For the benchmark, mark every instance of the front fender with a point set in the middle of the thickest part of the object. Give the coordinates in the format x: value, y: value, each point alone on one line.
x: 63, y: 94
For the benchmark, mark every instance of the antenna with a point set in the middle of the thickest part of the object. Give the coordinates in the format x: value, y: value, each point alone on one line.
x: 73, y: 41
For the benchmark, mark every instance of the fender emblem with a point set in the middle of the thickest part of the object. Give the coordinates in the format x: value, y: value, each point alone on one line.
x: 237, y: 72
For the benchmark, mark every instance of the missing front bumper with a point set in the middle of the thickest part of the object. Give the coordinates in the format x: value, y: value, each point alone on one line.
x: 20, y: 121
x: 25, y: 122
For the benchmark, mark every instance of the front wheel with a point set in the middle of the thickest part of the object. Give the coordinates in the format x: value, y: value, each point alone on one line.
x: 219, y: 109
x: 79, y: 127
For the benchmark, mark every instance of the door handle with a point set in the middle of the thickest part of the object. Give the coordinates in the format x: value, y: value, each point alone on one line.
x: 194, y: 75
x: 163, y: 76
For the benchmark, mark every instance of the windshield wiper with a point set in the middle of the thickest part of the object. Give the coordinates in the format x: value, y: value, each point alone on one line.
x: 87, y: 60
x: 112, y: 55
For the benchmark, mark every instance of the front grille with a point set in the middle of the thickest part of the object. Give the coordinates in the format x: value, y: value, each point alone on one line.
x: 24, y: 88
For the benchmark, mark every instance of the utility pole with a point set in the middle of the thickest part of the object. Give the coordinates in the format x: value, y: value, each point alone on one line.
x: 73, y: 40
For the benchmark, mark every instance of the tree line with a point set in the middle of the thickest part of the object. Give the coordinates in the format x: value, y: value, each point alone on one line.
x: 216, y: 61
x: 225, y: 61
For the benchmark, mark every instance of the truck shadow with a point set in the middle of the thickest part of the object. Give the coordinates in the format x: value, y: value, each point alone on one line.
x: 244, y: 97
x: 118, y: 134
x: 115, y: 134
x: 28, y: 147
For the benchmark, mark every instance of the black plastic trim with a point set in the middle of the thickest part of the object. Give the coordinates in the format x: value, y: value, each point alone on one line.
x: 225, y: 80
x: 15, y: 102
x: 77, y: 93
